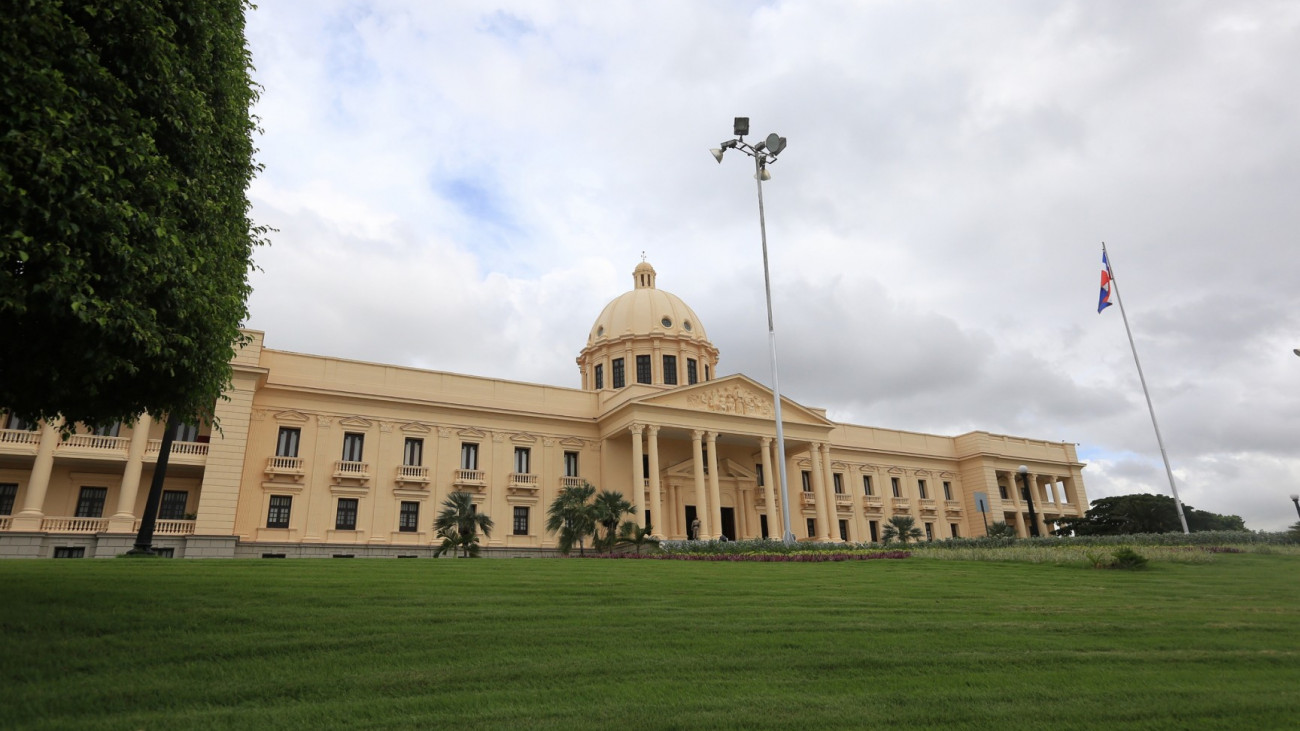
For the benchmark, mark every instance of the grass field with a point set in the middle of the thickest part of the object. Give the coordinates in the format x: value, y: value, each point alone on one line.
x: 550, y: 643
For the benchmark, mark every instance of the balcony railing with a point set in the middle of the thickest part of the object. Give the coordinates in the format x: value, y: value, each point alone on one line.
x: 952, y: 506
x: 348, y: 470
x: 871, y: 502
x: 568, y: 481
x: 95, y: 443
x: 291, y: 466
x: 926, y: 505
x: 171, y: 527
x: 74, y: 525
x: 28, y: 440
x: 189, y: 449
x: 412, y: 473
x: 522, y: 481
x: 474, y: 479
x: 902, y: 503
x: 843, y: 500
x: 809, y: 498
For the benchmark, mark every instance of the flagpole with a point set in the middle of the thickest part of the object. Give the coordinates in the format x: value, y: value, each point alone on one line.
x: 1163, y: 455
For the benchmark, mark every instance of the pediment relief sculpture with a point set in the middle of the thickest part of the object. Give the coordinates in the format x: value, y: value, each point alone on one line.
x: 731, y: 399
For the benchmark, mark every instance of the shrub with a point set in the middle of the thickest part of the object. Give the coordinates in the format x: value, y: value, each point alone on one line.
x: 1127, y: 558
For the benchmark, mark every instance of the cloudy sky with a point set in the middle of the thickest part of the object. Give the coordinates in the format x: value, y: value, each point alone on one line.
x: 463, y: 186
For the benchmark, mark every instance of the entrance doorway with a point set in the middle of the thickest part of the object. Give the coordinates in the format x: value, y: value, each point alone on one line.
x: 690, y: 520
x: 729, y: 523
x: 762, y: 525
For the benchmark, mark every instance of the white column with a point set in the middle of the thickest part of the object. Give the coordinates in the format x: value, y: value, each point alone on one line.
x: 123, y: 521
x: 832, y: 505
x: 638, y: 476
x: 715, y: 496
x: 824, y: 510
x: 701, y: 503
x: 658, y: 521
x: 29, y: 518
x: 769, y: 478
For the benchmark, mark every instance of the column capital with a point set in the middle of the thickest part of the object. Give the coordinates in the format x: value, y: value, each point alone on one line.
x: 697, y: 435
x: 765, y: 441
x: 712, y: 436
x: 652, y: 429
x: 637, y: 429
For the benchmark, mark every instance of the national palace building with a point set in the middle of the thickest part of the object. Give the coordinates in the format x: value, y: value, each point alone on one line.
x: 320, y: 456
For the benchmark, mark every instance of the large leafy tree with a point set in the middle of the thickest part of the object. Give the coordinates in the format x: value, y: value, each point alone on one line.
x: 572, y: 516
x: 125, y: 155
x: 901, y: 528
x: 1143, y: 513
x: 459, y: 523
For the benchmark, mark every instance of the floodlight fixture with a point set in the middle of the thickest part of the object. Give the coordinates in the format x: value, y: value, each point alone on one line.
x: 741, y: 126
x: 775, y: 143
x: 717, y: 153
x: 762, y: 174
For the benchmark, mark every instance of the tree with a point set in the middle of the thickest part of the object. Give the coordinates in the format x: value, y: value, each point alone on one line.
x: 572, y: 516
x: 902, y: 527
x: 608, y: 510
x: 1143, y: 513
x: 459, y: 523
x: 125, y: 242
x: 631, y: 534
x: 1000, y: 529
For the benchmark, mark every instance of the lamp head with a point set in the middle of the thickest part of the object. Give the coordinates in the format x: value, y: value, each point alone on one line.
x: 1294, y: 498
x: 775, y: 143
x: 1023, y: 470
x: 741, y: 126
x: 717, y: 153
x: 763, y: 175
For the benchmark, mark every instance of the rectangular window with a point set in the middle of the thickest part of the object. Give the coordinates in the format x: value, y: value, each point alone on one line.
x: 408, y: 520
x: 758, y: 473
x: 18, y: 424
x: 929, y: 531
x: 287, y: 444
x: 692, y: 375
x: 920, y: 489
x: 111, y: 430
x: 277, y: 515
x: 806, y: 476
x: 173, y: 505
x: 600, y: 376
x: 844, y: 530
x: 947, y: 490
x: 522, y: 459
x: 1002, y: 490
x: 69, y: 551
x: 618, y: 373
x: 953, y: 526
x: 468, y: 456
x: 875, y: 531
x: 643, y: 369
x: 894, y: 484
x: 345, y: 518
x: 762, y: 526
x: 186, y: 433
x: 839, y: 483
x: 812, y: 527
x: 707, y: 377
x: 570, y: 464
x: 90, y: 504
x: 521, y: 520
x: 8, y: 493
x: 413, y: 452
x: 866, y: 485
x: 352, y: 445
x: 670, y: 370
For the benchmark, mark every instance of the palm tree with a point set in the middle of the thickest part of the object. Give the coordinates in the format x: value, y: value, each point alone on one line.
x: 572, y: 516
x: 1000, y: 529
x: 609, y: 509
x: 459, y: 524
x: 631, y: 534
x: 902, y: 527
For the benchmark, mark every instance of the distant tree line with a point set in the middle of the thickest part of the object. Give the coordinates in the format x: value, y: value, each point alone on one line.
x: 1143, y: 513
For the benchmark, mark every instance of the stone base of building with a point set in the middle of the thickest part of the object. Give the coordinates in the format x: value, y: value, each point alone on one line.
x: 110, y: 545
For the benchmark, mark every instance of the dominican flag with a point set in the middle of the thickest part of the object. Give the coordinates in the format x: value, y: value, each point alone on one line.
x: 1104, y: 301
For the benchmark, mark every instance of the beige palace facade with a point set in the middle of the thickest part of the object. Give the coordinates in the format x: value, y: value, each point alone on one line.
x: 322, y: 456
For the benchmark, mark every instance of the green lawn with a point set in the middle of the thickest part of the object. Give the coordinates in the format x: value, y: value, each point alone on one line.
x: 548, y: 643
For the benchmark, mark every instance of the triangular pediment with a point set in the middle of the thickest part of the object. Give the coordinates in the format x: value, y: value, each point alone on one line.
x: 571, y: 442
x: 415, y: 427
x: 291, y: 416
x: 355, y: 422
x: 728, y: 468
x: 734, y: 395
x: 523, y: 438
x: 471, y: 433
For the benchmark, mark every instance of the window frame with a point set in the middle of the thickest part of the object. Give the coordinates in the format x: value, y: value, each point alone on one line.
x: 520, y: 520
x: 644, y: 369
x: 600, y: 376
x: 867, y: 489
x: 947, y: 490
x: 921, y: 490
x: 8, y: 497
x: 670, y: 370
x: 408, y: 516
x: 692, y: 372
x: 345, y: 513
x: 837, y: 481
x: 524, y: 459
x: 896, y: 485
x: 354, y: 446
x: 281, y: 507
x: 169, y: 512
x: 413, y: 452
x: 287, y: 441
x: 571, y: 464
x: 618, y: 376
x: 469, y: 455
x: 91, y: 498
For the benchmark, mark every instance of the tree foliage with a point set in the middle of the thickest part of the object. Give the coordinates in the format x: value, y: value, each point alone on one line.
x: 458, y: 525
x: 572, y: 516
x: 608, y: 510
x: 125, y: 155
x: 1000, y: 529
x: 900, y: 527
x: 1144, y: 513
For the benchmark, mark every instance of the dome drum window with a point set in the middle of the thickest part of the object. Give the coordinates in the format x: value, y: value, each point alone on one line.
x: 666, y: 322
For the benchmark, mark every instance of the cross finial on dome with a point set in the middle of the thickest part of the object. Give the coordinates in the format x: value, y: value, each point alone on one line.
x: 643, y: 255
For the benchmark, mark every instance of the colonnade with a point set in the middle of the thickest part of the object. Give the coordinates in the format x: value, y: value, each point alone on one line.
x: 1054, y: 495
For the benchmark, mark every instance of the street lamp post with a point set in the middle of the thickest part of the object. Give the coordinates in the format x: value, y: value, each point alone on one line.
x: 1029, y: 498
x: 1296, y: 499
x: 763, y: 153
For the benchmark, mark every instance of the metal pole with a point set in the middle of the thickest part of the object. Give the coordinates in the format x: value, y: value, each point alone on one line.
x: 1163, y: 455
x: 788, y: 536
x: 144, y: 538
x: 1029, y: 497
x: 1296, y: 499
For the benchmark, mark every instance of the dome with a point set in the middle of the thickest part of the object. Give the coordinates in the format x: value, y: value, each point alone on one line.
x: 646, y: 310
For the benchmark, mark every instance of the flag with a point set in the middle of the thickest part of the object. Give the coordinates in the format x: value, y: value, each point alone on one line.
x: 1104, y: 301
